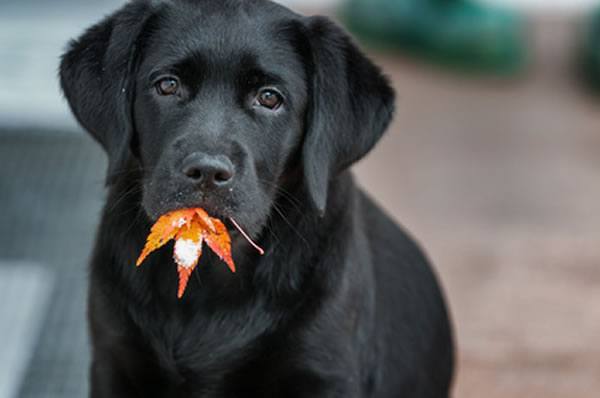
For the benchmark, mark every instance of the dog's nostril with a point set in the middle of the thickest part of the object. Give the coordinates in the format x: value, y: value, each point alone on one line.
x: 223, y: 176
x: 193, y: 173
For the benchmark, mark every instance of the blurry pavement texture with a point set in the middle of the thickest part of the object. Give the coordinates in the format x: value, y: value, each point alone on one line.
x: 24, y: 294
x: 51, y: 189
x: 498, y: 181
x: 501, y: 184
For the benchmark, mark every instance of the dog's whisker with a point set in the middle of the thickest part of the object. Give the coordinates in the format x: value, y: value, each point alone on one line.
x: 292, y: 201
x: 269, y: 228
x: 286, y: 195
x: 278, y: 211
x: 133, y: 222
x: 131, y: 191
x: 280, y: 189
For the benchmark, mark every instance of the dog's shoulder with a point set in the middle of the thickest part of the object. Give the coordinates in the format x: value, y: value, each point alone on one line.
x: 409, y: 302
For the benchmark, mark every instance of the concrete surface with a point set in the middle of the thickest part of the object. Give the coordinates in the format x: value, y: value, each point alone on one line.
x: 51, y: 190
x: 24, y: 292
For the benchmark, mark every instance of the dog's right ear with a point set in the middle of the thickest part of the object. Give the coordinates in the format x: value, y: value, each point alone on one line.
x: 97, y: 75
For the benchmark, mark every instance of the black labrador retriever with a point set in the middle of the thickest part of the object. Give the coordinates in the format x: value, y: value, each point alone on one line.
x: 249, y: 111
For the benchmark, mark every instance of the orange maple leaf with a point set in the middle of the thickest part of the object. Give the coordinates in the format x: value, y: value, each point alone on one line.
x: 191, y: 228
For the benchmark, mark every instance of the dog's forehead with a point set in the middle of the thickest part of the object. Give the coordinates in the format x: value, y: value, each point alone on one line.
x: 223, y: 36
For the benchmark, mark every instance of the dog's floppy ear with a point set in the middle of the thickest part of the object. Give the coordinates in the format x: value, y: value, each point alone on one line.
x: 350, y: 107
x: 97, y: 75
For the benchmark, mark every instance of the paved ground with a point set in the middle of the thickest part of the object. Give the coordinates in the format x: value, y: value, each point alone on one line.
x: 501, y: 183
x: 24, y: 294
x: 51, y: 190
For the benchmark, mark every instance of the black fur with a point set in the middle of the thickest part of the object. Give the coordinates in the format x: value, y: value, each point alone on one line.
x: 343, y: 303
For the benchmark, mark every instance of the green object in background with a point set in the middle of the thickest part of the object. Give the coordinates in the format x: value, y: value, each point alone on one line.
x: 460, y: 34
x: 590, y: 53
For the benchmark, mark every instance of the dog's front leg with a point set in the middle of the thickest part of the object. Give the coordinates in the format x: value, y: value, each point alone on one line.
x: 109, y: 381
x: 311, y: 385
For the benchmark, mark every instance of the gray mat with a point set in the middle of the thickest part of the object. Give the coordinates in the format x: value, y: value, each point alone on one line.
x: 51, y: 190
x: 24, y: 292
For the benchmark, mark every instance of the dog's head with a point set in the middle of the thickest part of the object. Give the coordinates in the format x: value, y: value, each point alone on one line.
x: 219, y: 101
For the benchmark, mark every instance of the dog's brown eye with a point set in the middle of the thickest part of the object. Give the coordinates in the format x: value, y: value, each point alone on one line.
x: 270, y: 99
x: 167, y: 86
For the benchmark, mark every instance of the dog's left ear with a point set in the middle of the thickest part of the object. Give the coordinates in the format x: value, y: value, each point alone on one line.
x: 351, y: 106
x: 97, y: 75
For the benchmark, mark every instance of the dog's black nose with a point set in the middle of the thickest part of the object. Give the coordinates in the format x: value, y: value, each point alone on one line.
x: 208, y: 170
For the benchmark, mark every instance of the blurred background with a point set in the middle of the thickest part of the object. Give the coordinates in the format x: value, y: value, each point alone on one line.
x: 493, y: 163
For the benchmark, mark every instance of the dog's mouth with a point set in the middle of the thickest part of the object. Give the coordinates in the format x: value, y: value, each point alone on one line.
x: 225, y: 213
x: 242, y: 207
x: 217, y: 206
x: 191, y: 229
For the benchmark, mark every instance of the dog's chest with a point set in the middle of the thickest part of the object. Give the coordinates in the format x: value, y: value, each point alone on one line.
x: 217, y: 363
x: 200, y: 350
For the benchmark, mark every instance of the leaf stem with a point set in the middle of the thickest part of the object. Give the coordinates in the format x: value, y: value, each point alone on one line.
x: 257, y: 247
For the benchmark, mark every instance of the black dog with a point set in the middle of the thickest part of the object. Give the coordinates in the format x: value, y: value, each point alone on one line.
x: 249, y: 111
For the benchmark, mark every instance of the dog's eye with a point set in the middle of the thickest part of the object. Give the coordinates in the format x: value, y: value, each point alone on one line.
x: 269, y: 98
x: 167, y: 86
